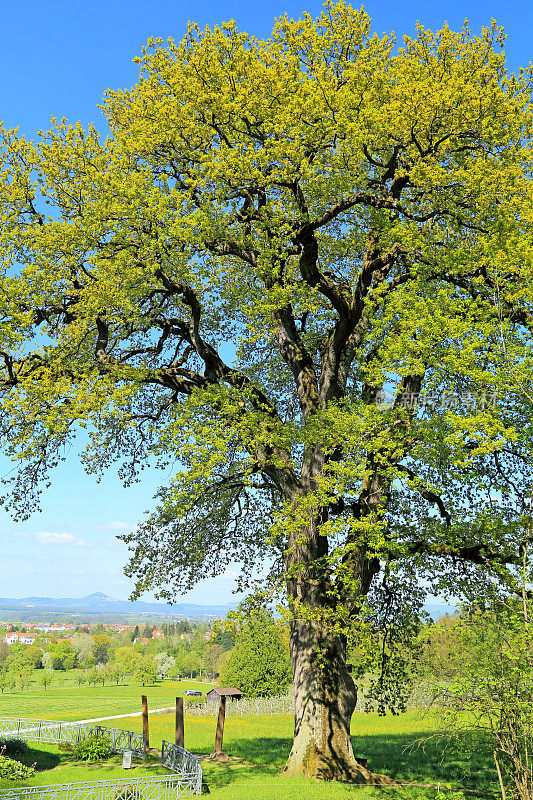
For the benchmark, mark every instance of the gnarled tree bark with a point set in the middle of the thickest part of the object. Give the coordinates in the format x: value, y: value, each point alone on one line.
x: 325, y: 697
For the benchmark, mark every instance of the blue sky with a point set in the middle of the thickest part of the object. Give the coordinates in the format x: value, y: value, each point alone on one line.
x: 58, y: 58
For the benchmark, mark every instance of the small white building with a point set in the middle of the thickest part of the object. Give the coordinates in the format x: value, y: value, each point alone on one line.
x: 20, y: 638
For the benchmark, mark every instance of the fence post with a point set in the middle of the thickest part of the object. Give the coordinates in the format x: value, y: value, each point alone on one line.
x: 220, y: 725
x: 144, y: 701
x: 180, y: 732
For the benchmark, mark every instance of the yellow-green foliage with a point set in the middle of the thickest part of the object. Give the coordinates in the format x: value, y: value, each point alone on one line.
x: 274, y: 235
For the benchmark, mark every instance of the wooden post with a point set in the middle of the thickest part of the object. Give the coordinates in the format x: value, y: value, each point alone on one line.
x: 220, y: 725
x: 145, y: 721
x: 180, y: 733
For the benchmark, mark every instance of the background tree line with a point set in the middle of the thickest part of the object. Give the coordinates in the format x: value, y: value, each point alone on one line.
x: 252, y: 655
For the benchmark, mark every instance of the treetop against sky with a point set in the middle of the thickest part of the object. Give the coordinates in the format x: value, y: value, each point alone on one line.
x: 277, y: 234
x: 58, y: 59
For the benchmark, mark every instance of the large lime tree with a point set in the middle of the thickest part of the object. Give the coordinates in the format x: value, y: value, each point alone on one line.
x: 298, y: 271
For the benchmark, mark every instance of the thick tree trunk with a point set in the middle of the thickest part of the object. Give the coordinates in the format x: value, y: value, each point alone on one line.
x: 324, y: 698
x: 324, y: 692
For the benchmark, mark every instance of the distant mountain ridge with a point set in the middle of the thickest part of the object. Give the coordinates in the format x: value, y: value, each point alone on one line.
x: 100, y: 603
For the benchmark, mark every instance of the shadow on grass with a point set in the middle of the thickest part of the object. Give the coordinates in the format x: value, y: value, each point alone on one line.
x: 43, y: 759
x: 267, y: 752
x: 262, y: 756
x: 464, y: 763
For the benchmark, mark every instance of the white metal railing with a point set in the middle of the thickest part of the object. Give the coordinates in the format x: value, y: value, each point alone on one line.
x: 186, y: 781
x: 43, y: 730
x: 181, y: 761
x: 167, y: 787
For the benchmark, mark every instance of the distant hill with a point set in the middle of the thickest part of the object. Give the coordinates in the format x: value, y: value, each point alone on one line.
x: 100, y: 604
x: 101, y: 607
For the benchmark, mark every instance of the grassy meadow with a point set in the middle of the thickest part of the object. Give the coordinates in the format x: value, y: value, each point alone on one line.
x: 258, y: 747
x: 67, y: 701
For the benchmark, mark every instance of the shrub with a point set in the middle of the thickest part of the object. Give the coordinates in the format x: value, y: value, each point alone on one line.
x: 13, y: 770
x: 13, y: 748
x: 92, y: 749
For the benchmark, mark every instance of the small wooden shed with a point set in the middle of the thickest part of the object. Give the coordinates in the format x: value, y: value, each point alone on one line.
x: 226, y: 691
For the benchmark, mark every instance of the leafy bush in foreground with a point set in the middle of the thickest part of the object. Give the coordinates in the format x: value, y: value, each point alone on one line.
x: 92, y: 749
x: 14, y: 769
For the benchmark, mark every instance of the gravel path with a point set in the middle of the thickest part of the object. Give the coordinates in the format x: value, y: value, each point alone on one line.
x: 120, y: 716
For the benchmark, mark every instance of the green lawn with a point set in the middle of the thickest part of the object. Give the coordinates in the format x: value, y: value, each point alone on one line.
x: 70, y: 702
x: 389, y: 743
x: 55, y: 766
x: 259, y: 747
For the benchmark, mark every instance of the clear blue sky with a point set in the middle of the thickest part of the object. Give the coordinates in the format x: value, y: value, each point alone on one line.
x: 58, y: 58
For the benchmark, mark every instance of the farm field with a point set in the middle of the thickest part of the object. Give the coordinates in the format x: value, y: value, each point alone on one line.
x: 72, y: 702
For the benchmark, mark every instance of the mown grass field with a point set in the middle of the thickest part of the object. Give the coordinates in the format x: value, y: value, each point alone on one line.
x: 258, y: 747
x: 70, y: 702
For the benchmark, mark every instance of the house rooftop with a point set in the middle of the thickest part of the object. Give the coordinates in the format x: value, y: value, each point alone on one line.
x: 225, y: 691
